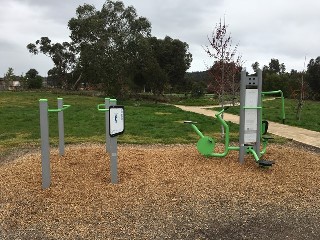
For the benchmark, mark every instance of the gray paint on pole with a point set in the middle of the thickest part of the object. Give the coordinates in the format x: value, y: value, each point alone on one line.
x: 45, y: 147
x: 107, y: 104
x: 242, y: 100
x: 113, y: 151
x: 259, y: 110
x: 61, y: 127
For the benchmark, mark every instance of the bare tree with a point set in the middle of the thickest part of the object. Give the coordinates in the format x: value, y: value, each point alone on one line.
x: 301, y: 93
x: 221, y: 50
x: 224, y: 68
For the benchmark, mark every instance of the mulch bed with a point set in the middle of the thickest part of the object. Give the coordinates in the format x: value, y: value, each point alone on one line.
x: 164, y: 192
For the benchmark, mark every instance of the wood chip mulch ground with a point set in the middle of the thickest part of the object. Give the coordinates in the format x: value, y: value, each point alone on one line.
x: 165, y: 192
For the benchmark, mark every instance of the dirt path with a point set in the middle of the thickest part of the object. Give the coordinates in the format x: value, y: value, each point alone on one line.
x: 301, y: 135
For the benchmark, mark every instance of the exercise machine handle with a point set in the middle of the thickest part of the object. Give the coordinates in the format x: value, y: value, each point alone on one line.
x: 100, y: 109
x: 59, y: 109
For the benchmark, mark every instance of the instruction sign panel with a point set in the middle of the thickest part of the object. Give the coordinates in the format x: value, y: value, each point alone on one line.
x: 251, y: 116
x: 116, y: 120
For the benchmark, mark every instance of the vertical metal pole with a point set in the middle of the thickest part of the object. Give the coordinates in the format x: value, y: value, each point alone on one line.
x: 45, y: 147
x: 61, y: 127
x: 113, y: 152
x: 259, y: 113
x: 107, y: 104
x: 242, y: 115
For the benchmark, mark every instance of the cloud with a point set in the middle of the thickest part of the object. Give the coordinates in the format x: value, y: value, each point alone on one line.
x: 287, y: 30
x: 275, y: 29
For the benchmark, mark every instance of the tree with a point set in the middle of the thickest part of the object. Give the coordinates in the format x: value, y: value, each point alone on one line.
x: 225, y: 67
x: 112, y: 49
x: 255, y: 66
x: 33, y: 79
x: 32, y: 73
x: 221, y: 50
x: 8, y: 77
x: 108, y: 42
x: 62, y: 55
x: 313, y: 76
x: 173, y: 57
x: 275, y: 67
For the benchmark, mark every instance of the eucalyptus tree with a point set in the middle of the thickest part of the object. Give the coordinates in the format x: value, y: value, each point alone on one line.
x: 108, y: 42
x: 62, y: 54
x: 173, y: 57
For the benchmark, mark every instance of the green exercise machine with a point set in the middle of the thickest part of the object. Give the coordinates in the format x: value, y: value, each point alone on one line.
x: 253, y: 138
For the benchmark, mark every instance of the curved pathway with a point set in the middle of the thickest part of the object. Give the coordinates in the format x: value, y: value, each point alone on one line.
x: 301, y: 135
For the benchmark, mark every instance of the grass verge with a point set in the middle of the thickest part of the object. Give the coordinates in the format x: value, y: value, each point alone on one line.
x: 145, y: 123
x: 272, y: 112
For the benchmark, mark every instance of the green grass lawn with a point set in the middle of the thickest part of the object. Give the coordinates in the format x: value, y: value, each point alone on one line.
x: 145, y: 123
x: 272, y: 112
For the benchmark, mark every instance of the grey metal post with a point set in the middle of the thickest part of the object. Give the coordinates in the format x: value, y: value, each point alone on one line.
x: 113, y: 152
x: 107, y: 104
x: 242, y: 117
x: 259, y: 113
x: 253, y: 113
x: 61, y: 127
x: 45, y: 147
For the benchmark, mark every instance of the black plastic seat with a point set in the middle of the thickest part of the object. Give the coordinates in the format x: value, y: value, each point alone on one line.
x: 267, y: 137
x: 265, y: 163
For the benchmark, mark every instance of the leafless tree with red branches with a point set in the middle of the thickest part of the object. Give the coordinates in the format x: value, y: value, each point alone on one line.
x: 225, y: 68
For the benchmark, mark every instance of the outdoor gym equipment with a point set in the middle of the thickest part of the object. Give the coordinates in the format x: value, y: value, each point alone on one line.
x: 44, y: 130
x: 206, y: 145
x: 252, y: 128
x: 114, y: 118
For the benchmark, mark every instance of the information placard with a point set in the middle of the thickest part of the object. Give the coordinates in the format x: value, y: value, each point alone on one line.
x: 116, y: 120
x: 251, y: 116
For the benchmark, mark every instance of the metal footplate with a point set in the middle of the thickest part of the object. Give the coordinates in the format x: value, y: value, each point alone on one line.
x: 190, y: 122
x: 265, y: 163
x: 267, y: 137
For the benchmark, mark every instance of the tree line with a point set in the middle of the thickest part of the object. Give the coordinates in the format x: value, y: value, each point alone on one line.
x: 112, y: 49
x: 275, y: 77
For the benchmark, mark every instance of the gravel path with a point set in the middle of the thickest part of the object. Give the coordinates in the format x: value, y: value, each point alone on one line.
x: 165, y: 192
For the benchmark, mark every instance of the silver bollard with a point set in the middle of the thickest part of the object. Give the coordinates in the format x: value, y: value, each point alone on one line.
x: 113, y: 150
x: 45, y: 146
x: 107, y: 104
x: 61, y: 127
x: 44, y: 132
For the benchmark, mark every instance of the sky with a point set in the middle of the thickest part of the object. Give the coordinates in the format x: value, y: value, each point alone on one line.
x: 282, y: 29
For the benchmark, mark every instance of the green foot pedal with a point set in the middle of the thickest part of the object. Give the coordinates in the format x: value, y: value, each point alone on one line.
x: 205, y: 145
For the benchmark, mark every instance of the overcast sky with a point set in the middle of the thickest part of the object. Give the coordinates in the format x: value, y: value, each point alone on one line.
x: 284, y: 29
